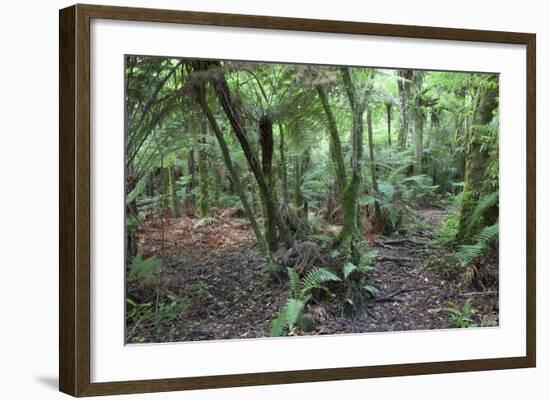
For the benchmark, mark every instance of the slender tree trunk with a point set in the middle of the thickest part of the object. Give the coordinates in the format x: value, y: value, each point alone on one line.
x: 204, y: 204
x: 192, y: 174
x: 173, y: 193
x: 266, y: 145
x: 283, y: 166
x: 404, y: 85
x: 236, y: 182
x: 350, y: 231
x: 298, y: 200
x: 224, y: 96
x: 388, y: 117
x: 131, y: 214
x: 165, y: 189
x: 335, y: 144
x: 418, y: 123
x: 218, y: 185
x: 378, y: 213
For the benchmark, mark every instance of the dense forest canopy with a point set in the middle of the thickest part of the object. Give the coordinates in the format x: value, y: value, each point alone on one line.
x: 309, y: 181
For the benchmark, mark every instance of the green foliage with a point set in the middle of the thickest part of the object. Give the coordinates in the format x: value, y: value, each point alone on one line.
x: 461, y: 317
x: 301, y: 288
x: 171, y: 309
x: 476, y: 216
x: 203, y: 292
x: 300, y: 292
x: 449, y: 228
x: 287, y: 317
x: 357, y: 288
x: 315, y: 280
x: 140, y: 271
x: 397, y: 192
x: 321, y: 239
x: 482, y: 242
x: 136, y: 311
x: 138, y: 189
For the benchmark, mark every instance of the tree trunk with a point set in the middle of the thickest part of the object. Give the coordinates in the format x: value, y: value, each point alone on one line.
x: 224, y: 96
x: 350, y: 234
x: 131, y: 213
x: 192, y: 174
x: 283, y: 167
x: 236, y: 182
x: 404, y: 85
x: 204, y: 205
x: 335, y: 144
x: 165, y: 189
x: 477, y: 156
x: 388, y: 117
x: 173, y: 193
x: 266, y: 146
x: 378, y: 213
x: 418, y: 123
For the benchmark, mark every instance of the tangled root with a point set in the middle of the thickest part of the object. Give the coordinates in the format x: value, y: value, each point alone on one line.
x: 301, y: 256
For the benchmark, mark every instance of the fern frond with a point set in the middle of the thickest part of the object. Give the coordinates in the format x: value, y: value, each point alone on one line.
x: 294, y: 282
x: 467, y: 253
x: 315, y: 279
x: 483, y: 204
x: 287, y: 317
x: 348, y: 269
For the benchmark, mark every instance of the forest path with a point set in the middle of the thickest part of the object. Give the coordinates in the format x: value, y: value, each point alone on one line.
x: 217, y: 267
x: 411, y: 291
x: 415, y: 282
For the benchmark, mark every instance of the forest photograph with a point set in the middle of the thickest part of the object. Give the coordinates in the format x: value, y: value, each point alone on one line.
x: 269, y: 199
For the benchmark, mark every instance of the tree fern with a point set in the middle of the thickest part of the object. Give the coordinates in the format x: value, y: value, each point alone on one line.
x: 467, y: 253
x: 287, y: 317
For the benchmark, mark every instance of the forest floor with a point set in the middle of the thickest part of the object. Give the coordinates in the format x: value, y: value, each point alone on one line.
x: 216, y: 266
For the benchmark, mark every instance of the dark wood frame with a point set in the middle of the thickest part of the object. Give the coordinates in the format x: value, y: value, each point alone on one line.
x: 74, y: 199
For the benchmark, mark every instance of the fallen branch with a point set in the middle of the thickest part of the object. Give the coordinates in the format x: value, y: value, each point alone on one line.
x: 397, y: 259
x: 382, y: 244
x: 391, y: 297
x: 404, y: 241
x: 480, y: 293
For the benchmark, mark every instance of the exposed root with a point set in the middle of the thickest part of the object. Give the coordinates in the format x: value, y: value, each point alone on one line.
x: 302, y: 256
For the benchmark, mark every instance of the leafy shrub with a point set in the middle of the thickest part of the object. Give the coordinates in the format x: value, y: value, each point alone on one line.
x: 357, y: 288
x: 140, y: 271
x: 449, y: 228
x: 171, y: 309
x: 461, y: 317
x: 135, y: 311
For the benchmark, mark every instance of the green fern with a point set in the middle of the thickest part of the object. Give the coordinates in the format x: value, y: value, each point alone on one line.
x: 294, y: 282
x: 302, y: 288
x: 483, y: 204
x: 300, y: 292
x: 141, y: 270
x: 315, y: 280
x: 287, y: 317
x: 467, y: 253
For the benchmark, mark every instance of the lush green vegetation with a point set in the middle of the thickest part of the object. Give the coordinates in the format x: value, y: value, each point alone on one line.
x: 279, y: 199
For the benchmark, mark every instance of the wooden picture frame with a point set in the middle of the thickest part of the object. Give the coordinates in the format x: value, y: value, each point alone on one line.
x: 74, y: 200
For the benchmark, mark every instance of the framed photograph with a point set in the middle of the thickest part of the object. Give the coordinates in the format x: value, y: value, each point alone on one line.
x: 250, y: 200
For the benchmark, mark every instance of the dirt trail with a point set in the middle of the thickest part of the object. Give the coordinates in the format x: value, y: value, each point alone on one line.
x: 230, y: 297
